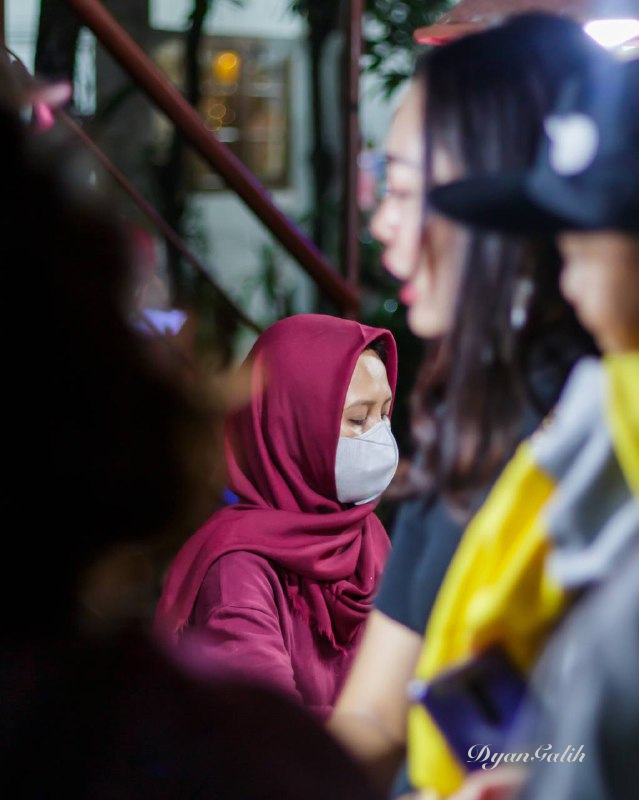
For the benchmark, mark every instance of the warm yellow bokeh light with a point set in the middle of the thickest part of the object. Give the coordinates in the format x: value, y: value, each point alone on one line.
x: 226, y: 68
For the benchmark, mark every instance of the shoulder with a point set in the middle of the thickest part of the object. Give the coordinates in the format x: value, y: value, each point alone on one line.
x: 420, y: 526
x: 241, y: 579
x: 241, y: 562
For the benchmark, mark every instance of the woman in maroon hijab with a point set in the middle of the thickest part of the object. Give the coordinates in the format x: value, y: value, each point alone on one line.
x: 276, y: 588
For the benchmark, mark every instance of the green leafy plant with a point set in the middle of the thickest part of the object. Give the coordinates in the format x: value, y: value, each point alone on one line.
x: 389, y: 47
x: 269, y: 283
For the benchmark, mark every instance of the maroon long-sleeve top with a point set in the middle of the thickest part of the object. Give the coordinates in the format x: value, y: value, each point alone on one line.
x: 246, y: 627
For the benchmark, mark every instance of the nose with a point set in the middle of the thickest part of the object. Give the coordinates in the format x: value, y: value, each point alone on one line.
x: 383, y: 223
x: 375, y: 416
x: 384, y: 227
x: 370, y: 423
x: 567, y: 281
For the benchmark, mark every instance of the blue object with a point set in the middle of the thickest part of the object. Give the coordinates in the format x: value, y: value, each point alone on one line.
x: 229, y: 498
x: 476, y: 703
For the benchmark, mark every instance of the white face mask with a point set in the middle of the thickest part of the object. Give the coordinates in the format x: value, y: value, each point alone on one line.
x: 365, y: 465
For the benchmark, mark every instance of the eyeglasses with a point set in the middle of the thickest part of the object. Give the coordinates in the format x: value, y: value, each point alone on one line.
x: 374, y: 187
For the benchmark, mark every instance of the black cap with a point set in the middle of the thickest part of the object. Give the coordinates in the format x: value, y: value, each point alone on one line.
x: 586, y: 175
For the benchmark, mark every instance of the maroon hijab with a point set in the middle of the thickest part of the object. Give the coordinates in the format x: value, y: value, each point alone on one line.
x: 280, y: 451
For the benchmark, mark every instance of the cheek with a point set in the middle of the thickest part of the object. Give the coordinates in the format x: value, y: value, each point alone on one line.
x: 614, y: 296
x: 409, y: 236
x: 585, y: 288
x: 347, y: 428
x: 399, y: 229
x: 438, y: 280
x: 381, y: 224
x: 568, y: 281
x: 426, y: 317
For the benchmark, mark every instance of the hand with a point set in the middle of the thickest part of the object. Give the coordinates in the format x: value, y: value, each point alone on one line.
x: 502, y: 783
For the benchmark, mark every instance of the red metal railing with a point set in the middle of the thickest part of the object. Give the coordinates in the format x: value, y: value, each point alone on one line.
x: 152, y: 214
x: 187, y: 120
x: 352, y: 141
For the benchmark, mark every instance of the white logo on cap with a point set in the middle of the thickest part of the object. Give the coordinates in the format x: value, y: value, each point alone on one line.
x: 574, y: 142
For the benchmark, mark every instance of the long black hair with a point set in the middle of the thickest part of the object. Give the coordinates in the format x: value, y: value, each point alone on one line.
x: 514, y: 339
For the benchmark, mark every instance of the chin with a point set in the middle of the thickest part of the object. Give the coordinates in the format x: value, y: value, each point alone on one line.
x: 425, y: 324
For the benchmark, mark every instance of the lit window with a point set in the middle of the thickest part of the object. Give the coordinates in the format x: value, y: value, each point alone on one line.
x: 245, y: 94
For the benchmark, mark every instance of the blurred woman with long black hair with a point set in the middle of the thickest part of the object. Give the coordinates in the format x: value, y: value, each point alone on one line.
x: 501, y: 340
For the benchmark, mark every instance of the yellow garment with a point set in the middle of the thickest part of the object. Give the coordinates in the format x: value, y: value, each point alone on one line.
x: 623, y: 412
x: 497, y: 589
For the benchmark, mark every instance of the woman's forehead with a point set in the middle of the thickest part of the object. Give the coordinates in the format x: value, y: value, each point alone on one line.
x: 368, y: 376
x: 405, y: 141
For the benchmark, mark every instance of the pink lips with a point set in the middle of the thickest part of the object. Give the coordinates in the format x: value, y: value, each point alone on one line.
x: 407, y: 294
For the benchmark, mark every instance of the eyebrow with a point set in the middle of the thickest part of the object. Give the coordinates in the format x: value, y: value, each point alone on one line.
x: 368, y: 403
